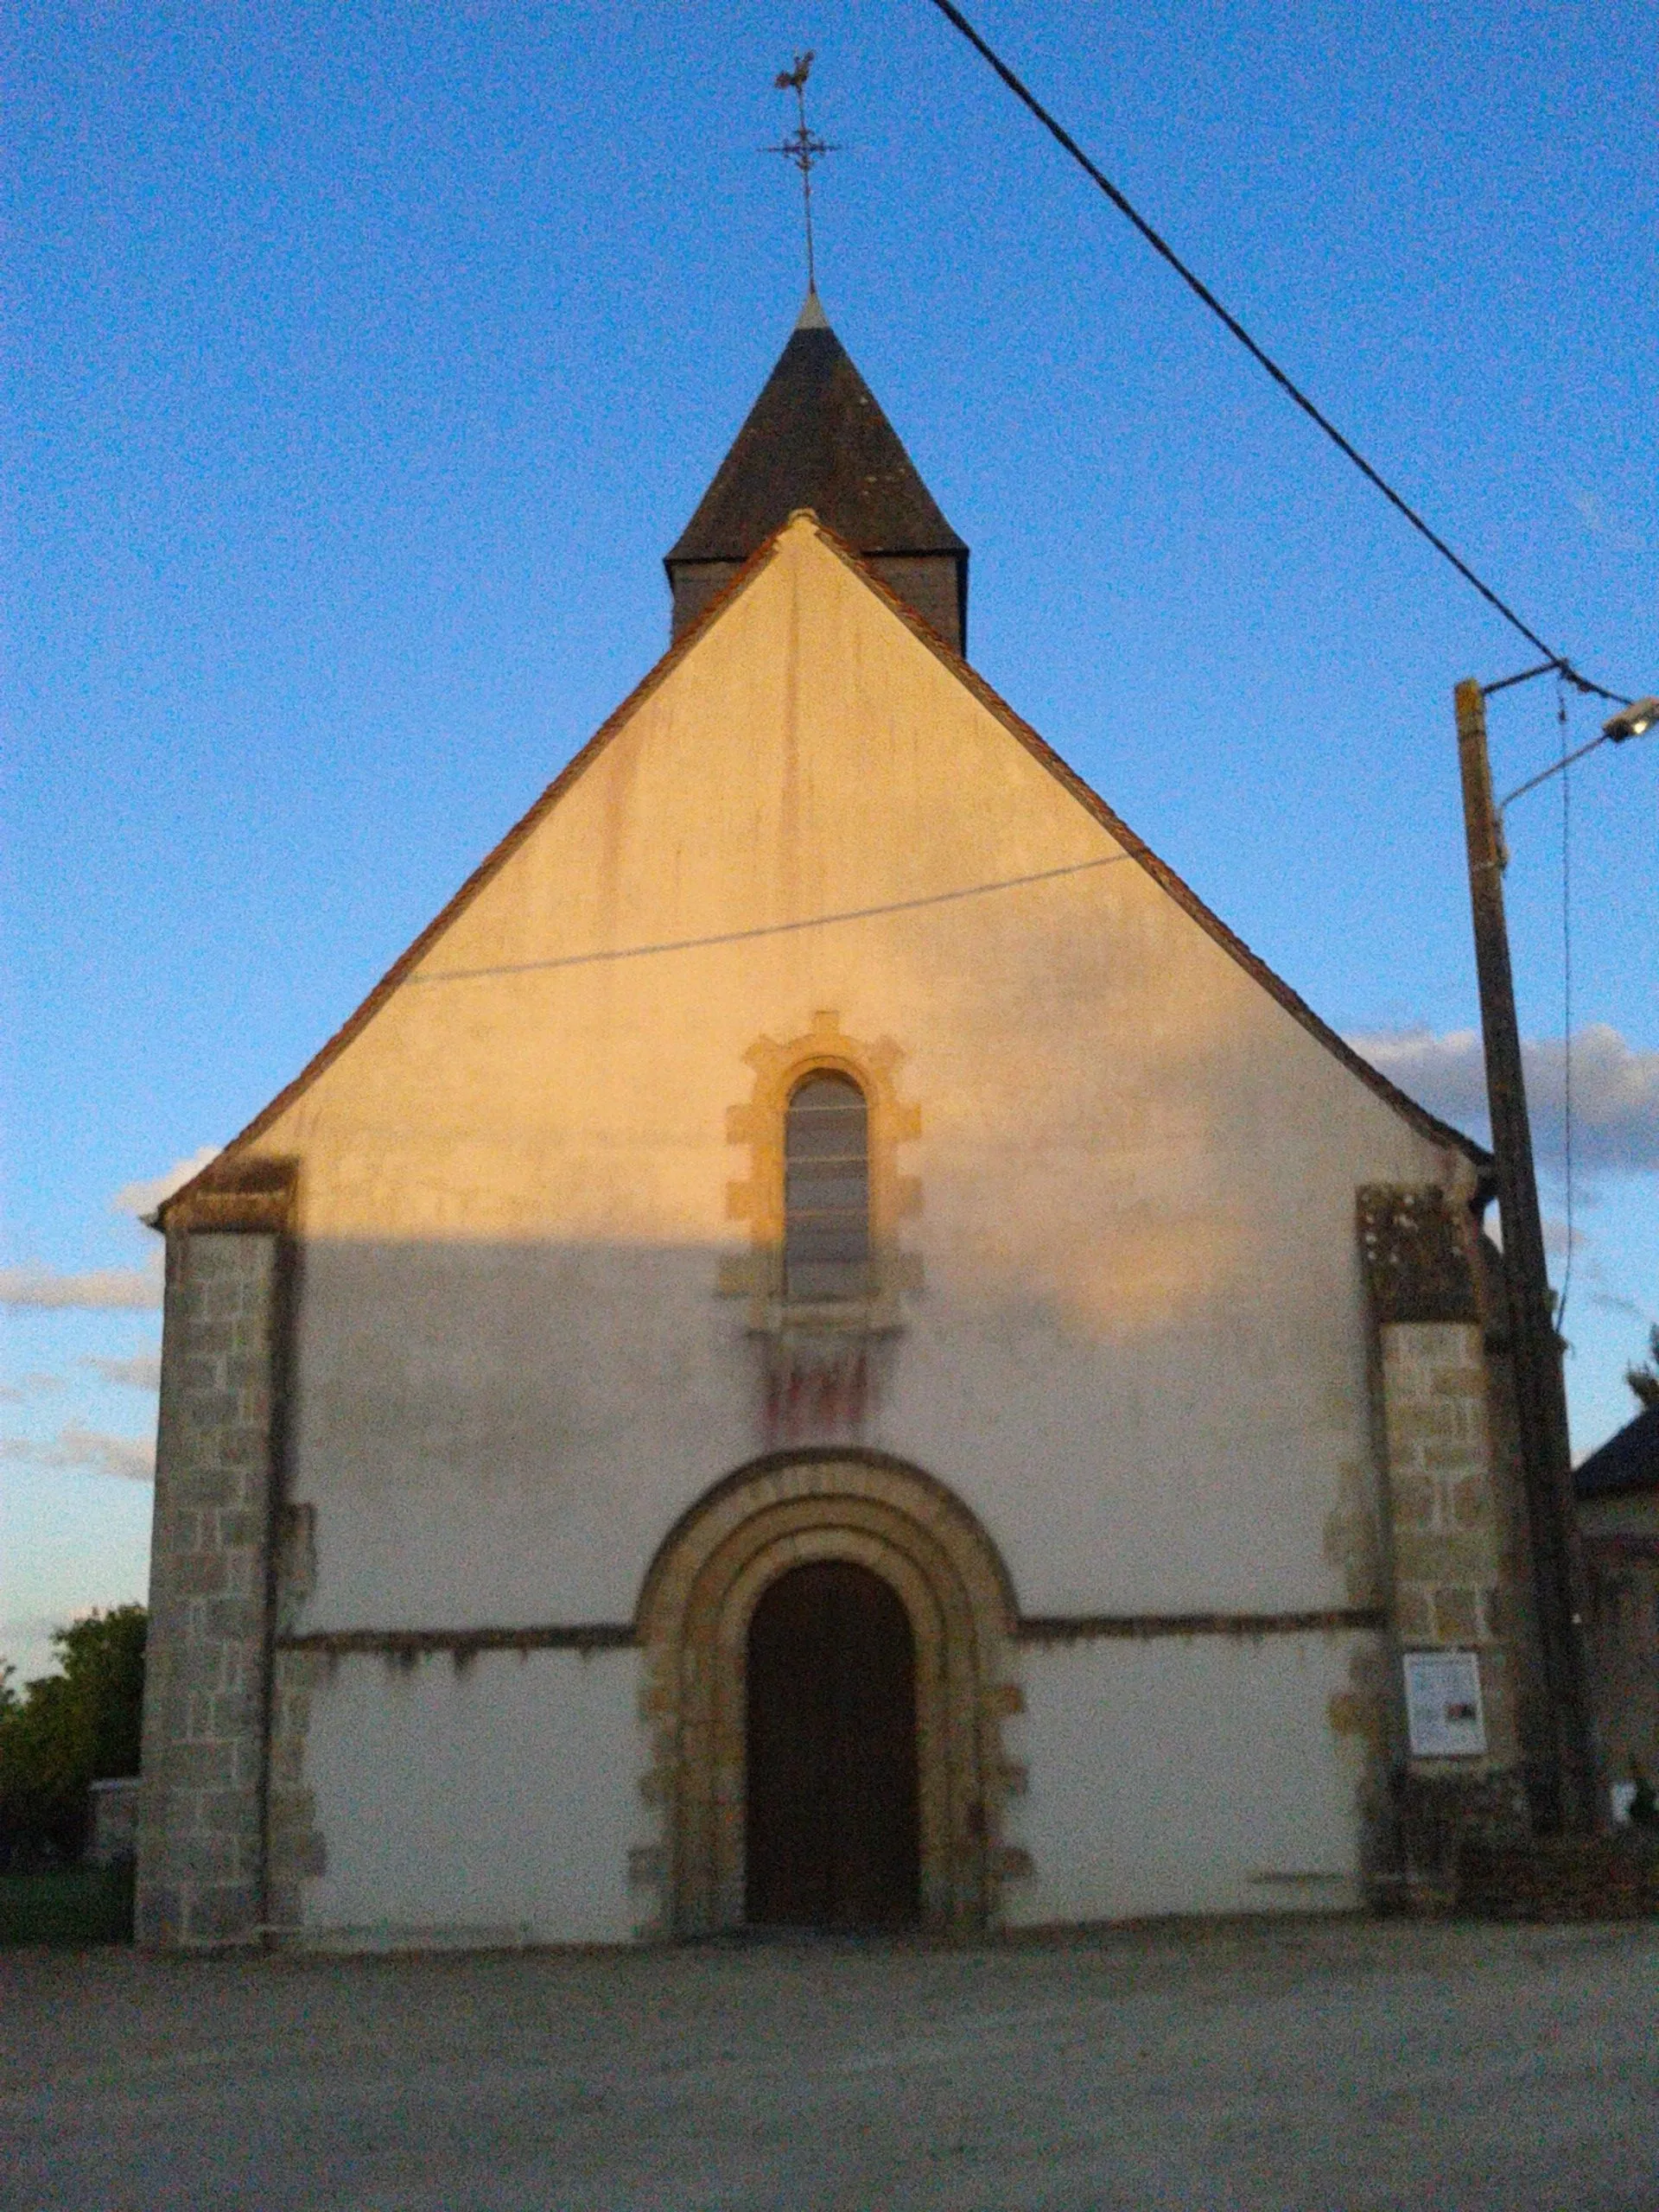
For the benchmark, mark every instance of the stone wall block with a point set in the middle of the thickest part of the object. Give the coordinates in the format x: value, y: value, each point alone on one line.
x: 1472, y: 1502
x: 215, y: 1913
x: 1460, y: 1382
x: 1413, y: 1616
x: 201, y: 1766
x: 208, y: 1487
x: 202, y: 1723
x: 1446, y: 1459
x: 1443, y: 1555
x: 1429, y: 1422
x: 1416, y: 1501
x: 220, y: 1418
x: 296, y: 1851
x: 227, y: 1715
x: 1457, y: 1619
x: 211, y: 1858
x: 202, y: 1574
x: 233, y: 1619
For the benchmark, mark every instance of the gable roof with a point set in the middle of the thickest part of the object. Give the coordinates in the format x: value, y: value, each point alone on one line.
x: 1419, y: 1116
x: 816, y: 438
x: 1628, y: 1461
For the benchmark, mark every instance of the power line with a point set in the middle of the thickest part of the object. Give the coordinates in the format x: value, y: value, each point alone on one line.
x: 766, y: 928
x: 1160, y: 246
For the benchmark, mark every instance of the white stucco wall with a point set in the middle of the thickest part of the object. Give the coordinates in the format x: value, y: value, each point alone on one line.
x: 495, y: 1802
x: 1186, y: 1775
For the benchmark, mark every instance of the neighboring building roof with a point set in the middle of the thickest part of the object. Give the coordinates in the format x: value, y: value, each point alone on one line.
x: 1419, y: 1116
x: 1625, y: 1462
x: 816, y: 438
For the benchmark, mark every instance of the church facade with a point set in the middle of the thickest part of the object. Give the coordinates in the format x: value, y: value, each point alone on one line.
x: 828, y: 1347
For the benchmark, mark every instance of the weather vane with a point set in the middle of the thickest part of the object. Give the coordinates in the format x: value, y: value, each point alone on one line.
x: 803, y: 147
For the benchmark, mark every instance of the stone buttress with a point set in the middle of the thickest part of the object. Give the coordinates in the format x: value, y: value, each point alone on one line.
x: 202, y: 1814
x: 1457, y: 1585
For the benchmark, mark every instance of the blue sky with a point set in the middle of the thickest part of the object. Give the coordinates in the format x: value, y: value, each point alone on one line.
x: 366, y: 360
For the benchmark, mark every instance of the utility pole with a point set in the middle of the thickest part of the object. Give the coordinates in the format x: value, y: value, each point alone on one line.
x: 1534, y: 1350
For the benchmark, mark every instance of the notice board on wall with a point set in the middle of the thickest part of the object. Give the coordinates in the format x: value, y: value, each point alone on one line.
x: 1444, y: 1715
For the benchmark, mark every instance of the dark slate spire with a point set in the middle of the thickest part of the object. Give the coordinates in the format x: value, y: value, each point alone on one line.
x: 816, y: 438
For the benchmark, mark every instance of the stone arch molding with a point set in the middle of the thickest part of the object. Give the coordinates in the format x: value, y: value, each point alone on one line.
x: 693, y: 1621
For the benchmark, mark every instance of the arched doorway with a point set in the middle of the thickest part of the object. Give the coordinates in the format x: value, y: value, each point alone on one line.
x: 712, y: 1574
x: 832, y: 1833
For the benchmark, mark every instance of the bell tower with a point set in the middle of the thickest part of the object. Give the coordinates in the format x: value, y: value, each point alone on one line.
x: 816, y: 438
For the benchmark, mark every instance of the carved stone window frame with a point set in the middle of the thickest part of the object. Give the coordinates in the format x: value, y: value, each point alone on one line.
x: 759, y: 1122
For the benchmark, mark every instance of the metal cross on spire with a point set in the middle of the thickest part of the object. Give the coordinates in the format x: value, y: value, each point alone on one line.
x: 803, y: 147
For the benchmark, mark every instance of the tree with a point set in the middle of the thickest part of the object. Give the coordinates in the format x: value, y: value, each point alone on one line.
x: 70, y: 1728
x: 1644, y: 1378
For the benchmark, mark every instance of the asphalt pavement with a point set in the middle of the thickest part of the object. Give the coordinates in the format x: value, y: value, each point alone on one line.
x: 1347, y: 2065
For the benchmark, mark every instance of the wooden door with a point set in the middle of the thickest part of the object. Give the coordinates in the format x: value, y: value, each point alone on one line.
x: 832, y: 1833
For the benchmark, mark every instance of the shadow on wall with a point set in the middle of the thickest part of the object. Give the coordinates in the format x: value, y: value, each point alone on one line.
x: 502, y: 1430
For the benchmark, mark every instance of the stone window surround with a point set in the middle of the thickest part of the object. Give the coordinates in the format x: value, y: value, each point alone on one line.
x: 696, y: 1605
x: 757, y: 1122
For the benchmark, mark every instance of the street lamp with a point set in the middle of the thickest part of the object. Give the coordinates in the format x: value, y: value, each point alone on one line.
x: 1638, y: 719
x: 1572, y: 1785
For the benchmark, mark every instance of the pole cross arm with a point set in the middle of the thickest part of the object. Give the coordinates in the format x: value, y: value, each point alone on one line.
x: 1638, y: 719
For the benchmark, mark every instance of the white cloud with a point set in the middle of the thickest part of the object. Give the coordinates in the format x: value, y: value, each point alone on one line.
x: 142, y: 1372
x: 105, y: 1290
x: 1615, y: 1090
x: 1558, y: 1239
x: 1447, y: 1074
x: 132, y: 1458
x: 144, y: 1197
x: 1596, y: 519
x: 108, y: 1289
x: 30, y: 1386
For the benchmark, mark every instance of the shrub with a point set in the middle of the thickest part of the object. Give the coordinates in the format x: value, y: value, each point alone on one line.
x: 69, y: 1729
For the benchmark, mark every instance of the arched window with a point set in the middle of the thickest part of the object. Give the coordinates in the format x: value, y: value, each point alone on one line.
x: 826, y: 1191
